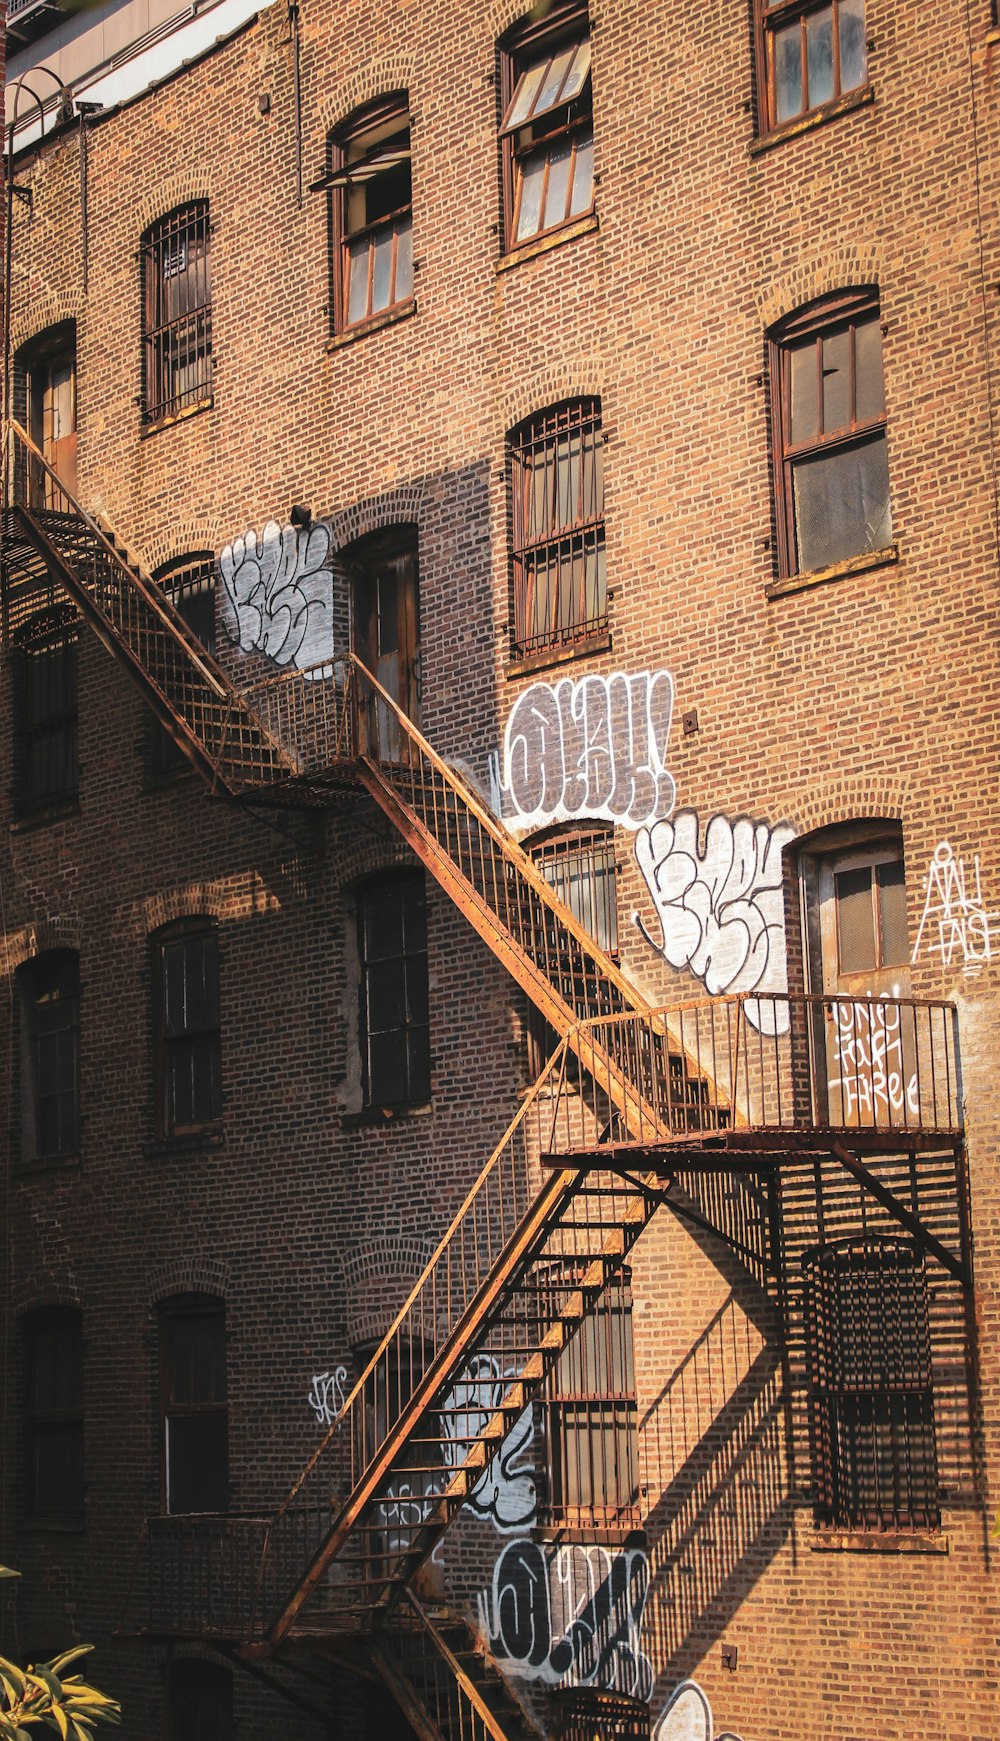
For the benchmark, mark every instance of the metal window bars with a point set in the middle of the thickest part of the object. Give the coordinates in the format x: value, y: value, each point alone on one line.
x: 557, y: 503
x: 177, y: 313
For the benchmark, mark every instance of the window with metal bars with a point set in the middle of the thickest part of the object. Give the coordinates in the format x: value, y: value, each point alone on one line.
x: 49, y: 1004
x: 809, y: 53
x: 193, y: 1404
x: 590, y: 1714
x: 831, y: 462
x: 52, y: 1356
x: 46, y: 774
x: 592, y: 1423
x: 177, y: 313
x: 580, y: 867
x: 871, y: 1386
x: 187, y: 1027
x: 556, y: 461
x: 394, y: 1003
x: 189, y: 583
x: 546, y: 125
x: 371, y: 216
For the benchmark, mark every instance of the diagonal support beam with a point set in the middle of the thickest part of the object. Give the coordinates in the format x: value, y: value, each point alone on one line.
x: 907, y: 1220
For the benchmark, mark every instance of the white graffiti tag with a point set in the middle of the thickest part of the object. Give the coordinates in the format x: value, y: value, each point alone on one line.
x: 326, y: 1399
x: 278, y: 594
x: 721, y: 912
x: 506, y: 1491
x: 870, y: 1081
x: 687, y: 1716
x: 570, y: 1616
x: 954, y: 924
x: 595, y: 747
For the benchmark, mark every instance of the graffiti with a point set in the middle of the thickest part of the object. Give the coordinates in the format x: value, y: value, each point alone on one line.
x: 278, y: 594
x: 869, y: 1078
x: 687, y: 1716
x: 326, y: 1399
x: 570, y: 1616
x: 595, y: 747
x: 406, y: 1504
x: 721, y: 911
x: 954, y: 924
x: 506, y: 1492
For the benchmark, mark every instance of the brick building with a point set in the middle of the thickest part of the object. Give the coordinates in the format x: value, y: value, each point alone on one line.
x: 501, y: 873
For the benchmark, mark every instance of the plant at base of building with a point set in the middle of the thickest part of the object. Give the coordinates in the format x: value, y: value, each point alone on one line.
x: 45, y: 1696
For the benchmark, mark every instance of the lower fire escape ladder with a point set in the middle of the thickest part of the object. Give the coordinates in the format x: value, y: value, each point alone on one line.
x: 926, y: 1241
x: 136, y: 623
x: 446, y: 1687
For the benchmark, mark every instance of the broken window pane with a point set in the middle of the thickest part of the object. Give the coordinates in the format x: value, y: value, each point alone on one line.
x: 842, y: 504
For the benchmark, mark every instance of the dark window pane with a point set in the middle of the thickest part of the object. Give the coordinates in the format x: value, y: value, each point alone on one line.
x: 842, y: 504
x: 197, y: 1463
x: 892, y: 896
x: 201, y: 1702
x: 387, y: 1068
x: 52, y: 1344
x: 856, y: 920
x: 394, y: 991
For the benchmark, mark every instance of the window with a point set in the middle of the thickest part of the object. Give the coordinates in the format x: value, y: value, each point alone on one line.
x: 871, y: 1394
x: 557, y: 507
x: 547, y: 129
x: 809, y: 53
x: 193, y: 1411
x: 395, y: 1017
x: 831, y: 463
x: 187, y: 1027
x: 591, y: 1417
x: 48, y: 991
x: 579, y: 866
x: 52, y: 1350
x: 47, y: 369
x: 189, y: 584
x: 46, y: 773
x: 177, y: 313
x: 871, y: 916
x: 371, y: 214
x: 201, y: 1701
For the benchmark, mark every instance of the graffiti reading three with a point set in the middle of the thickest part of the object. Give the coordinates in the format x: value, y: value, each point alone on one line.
x: 721, y: 911
x: 278, y: 593
x: 570, y: 1616
x: 955, y: 925
x: 595, y: 747
x: 870, y: 1074
x: 328, y: 1393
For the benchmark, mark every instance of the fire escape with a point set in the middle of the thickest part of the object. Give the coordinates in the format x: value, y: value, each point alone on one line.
x: 736, y: 1113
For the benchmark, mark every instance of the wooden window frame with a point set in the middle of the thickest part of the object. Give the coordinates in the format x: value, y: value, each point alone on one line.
x: 565, y: 543
x: 397, y: 222
x: 46, y: 712
x: 520, y: 48
x: 771, y: 15
x: 173, y: 343
x: 172, y: 1311
x: 205, y: 1034
x: 610, y: 1412
x: 53, y: 975
x: 872, y: 1434
x: 66, y: 1419
x: 418, y: 1086
x: 188, y: 582
x: 845, y: 311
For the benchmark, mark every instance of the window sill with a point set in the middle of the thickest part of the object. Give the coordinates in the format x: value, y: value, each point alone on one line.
x: 549, y: 656
x: 893, y: 1541
x: 155, y: 427
x: 46, y: 1164
x: 370, y: 1116
x: 860, y: 99
x: 553, y: 239
x: 862, y: 564
x: 628, y: 1533
x: 375, y: 323
x: 188, y: 1142
x: 40, y: 818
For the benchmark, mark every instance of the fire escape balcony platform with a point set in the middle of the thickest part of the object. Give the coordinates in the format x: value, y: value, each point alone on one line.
x: 751, y: 1148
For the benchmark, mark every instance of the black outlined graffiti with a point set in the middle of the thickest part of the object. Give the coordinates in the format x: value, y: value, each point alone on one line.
x: 721, y: 911
x: 506, y: 1494
x: 592, y: 747
x: 278, y: 594
x: 687, y: 1716
x: 570, y: 1616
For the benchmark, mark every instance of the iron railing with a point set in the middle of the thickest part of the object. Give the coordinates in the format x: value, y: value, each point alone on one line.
x: 432, y: 1677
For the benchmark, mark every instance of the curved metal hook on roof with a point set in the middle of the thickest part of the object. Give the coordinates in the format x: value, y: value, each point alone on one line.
x: 18, y: 89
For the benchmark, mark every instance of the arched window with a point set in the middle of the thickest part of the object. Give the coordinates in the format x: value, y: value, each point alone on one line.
x: 187, y: 1037
x: 193, y: 1404
x: 176, y: 313
x: 831, y: 466
x: 52, y: 1368
x: 371, y: 218
x: 556, y: 462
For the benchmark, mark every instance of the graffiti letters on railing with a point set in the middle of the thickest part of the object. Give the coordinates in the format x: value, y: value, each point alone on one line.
x: 595, y: 746
x: 687, y: 1716
x: 278, y: 594
x: 870, y: 1080
x: 955, y: 925
x: 721, y: 911
x: 326, y: 1399
x: 570, y: 1616
x: 406, y: 1504
x: 506, y: 1493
